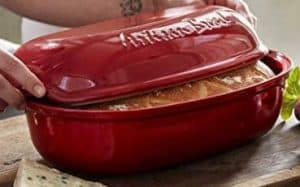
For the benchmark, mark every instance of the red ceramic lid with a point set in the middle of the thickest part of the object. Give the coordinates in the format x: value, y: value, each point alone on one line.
x: 113, y: 59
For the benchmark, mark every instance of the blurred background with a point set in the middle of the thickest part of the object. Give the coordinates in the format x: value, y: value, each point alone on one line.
x: 278, y: 25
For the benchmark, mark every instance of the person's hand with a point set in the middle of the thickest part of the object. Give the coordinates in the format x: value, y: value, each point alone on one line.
x: 238, y: 5
x: 11, y: 68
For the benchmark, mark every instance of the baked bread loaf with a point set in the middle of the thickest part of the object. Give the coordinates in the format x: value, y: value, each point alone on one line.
x: 196, y: 90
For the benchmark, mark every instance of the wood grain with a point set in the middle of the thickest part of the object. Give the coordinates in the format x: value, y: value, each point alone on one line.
x: 15, y: 144
x: 273, y: 154
x: 288, y: 177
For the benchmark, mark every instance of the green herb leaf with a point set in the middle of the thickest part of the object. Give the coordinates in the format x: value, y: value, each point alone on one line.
x: 287, y: 108
x: 291, y: 93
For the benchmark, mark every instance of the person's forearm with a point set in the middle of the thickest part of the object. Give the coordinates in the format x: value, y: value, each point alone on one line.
x: 76, y: 12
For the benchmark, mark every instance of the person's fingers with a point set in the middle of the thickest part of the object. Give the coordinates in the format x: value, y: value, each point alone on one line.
x: 217, y: 2
x: 176, y: 3
x: 3, y: 105
x: 15, y: 69
x: 252, y: 19
x: 223, y: 3
x: 10, y: 94
x: 210, y: 2
x: 242, y: 7
x: 238, y: 5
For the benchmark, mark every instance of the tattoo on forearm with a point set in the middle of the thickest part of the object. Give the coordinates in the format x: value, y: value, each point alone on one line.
x: 131, y: 7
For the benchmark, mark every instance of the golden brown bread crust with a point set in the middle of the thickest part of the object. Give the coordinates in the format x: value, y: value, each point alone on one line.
x: 196, y: 90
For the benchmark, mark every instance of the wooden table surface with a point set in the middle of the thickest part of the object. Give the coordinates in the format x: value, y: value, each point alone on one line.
x: 274, y: 157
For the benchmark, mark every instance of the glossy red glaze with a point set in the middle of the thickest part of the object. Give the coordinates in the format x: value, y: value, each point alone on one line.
x: 116, y: 58
x: 129, y: 141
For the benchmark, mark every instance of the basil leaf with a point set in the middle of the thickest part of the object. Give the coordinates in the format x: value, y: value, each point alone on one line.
x: 291, y: 94
x: 287, y: 108
x: 293, y: 82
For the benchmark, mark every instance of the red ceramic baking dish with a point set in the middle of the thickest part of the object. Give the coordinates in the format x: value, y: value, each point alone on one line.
x: 130, y: 141
x: 94, y: 64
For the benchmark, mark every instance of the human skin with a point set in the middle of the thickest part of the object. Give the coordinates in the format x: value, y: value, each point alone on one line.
x: 72, y: 13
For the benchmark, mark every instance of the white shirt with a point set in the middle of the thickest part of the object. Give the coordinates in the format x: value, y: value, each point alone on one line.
x: 32, y: 29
